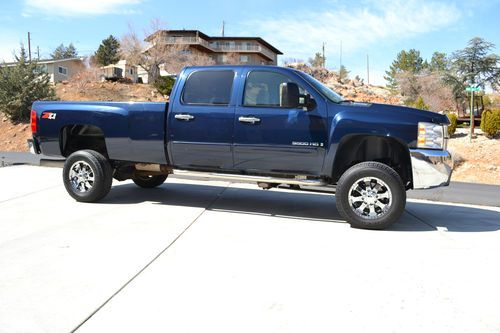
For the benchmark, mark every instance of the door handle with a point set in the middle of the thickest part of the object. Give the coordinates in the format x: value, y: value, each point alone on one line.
x: 250, y: 120
x: 186, y: 117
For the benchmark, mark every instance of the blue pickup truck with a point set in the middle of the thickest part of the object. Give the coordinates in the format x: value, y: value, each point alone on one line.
x: 268, y: 125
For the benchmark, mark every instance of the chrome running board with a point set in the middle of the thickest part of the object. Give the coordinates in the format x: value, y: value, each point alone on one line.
x: 248, y: 179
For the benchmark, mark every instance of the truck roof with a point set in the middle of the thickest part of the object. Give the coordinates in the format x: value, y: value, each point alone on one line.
x: 241, y: 66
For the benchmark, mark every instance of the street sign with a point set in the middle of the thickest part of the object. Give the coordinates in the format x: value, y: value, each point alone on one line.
x: 476, y: 89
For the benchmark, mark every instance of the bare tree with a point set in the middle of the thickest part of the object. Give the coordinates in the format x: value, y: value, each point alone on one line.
x: 85, y: 77
x: 408, y: 84
x: 147, y: 55
x: 232, y: 58
x: 436, y: 93
x: 200, y: 59
x: 155, y: 55
x: 430, y: 87
x: 176, y: 57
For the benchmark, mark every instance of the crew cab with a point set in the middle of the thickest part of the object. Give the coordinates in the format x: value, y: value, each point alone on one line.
x: 263, y: 124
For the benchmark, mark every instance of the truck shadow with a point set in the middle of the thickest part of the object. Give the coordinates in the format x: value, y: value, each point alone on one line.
x: 301, y: 205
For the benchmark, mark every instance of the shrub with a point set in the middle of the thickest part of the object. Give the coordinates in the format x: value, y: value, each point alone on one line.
x: 164, y: 84
x: 490, y: 122
x: 420, y: 104
x: 20, y: 86
x: 85, y: 78
x: 453, y: 123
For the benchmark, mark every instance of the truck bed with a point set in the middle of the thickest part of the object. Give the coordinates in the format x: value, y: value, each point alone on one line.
x: 131, y: 129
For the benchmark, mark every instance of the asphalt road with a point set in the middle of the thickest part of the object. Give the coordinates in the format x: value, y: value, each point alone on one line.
x: 457, y: 192
x: 192, y: 256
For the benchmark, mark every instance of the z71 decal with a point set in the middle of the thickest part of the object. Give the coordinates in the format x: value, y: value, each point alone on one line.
x: 49, y: 115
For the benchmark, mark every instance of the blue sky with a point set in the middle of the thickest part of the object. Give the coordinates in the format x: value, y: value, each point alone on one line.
x: 380, y: 28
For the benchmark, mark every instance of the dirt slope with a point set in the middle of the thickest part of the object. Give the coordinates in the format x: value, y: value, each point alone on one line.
x: 108, y: 91
x: 13, y: 137
x: 354, y: 89
x: 476, y: 162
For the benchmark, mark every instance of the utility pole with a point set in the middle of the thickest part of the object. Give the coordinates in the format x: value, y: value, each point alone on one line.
x: 324, y: 59
x: 340, y: 55
x: 38, y: 53
x: 29, y: 46
x: 471, y: 115
x: 368, y: 68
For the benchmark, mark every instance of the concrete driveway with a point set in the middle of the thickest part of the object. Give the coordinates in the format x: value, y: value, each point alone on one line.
x: 218, y: 257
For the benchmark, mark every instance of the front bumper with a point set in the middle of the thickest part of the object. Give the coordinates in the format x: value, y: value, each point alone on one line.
x: 430, y: 168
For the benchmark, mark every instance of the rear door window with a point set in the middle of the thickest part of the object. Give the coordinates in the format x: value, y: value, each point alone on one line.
x: 208, y: 88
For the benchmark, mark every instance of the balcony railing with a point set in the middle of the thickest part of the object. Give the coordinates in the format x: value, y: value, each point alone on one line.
x: 187, y: 41
x: 217, y: 47
x: 246, y: 48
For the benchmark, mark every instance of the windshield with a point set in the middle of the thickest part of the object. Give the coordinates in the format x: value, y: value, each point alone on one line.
x: 327, y: 92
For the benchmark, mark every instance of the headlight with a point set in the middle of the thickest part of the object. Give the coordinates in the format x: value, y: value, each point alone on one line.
x: 431, y: 136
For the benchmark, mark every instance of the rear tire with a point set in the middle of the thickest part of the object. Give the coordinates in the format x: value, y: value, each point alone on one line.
x: 149, y: 181
x: 370, y: 195
x: 87, y: 176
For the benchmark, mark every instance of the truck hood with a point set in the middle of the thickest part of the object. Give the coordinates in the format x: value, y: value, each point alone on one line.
x: 396, y: 111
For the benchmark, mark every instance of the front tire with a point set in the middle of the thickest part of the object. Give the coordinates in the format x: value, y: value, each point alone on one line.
x: 149, y: 181
x: 370, y: 195
x: 87, y: 176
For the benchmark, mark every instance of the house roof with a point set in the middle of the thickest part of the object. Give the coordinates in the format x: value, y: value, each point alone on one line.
x: 211, y: 39
x: 154, y: 34
x: 46, y: 61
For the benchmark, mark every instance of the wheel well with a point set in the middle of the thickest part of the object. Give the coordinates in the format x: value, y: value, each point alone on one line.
x: 361, y: 148
x: 79, y: 137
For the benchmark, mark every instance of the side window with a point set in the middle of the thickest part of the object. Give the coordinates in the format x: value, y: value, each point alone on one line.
x: 208, y: 88
x: 62, y: 70
x: 263, y: 88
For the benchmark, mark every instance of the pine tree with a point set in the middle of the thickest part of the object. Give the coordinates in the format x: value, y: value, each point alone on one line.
x: 343, y: 73
x: 108, y: 52
x: 71, y: 51
x: 474, y: 66
x: 439, y: 62
x: 63, y: 52
x: 406, y: 61
x: 21, y: 85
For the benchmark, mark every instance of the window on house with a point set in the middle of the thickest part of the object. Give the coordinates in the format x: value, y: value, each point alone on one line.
x: 62, y: 70
x: 208, y: 88
x: 243, y: 58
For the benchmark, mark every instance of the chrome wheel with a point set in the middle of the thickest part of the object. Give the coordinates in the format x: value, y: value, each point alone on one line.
x: 81, y: 177
x: 370, y: 198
